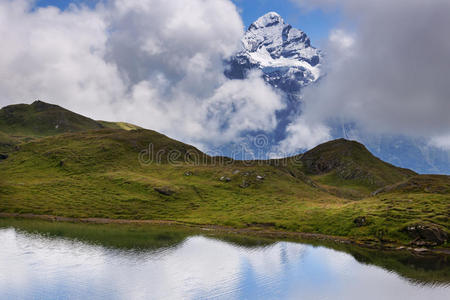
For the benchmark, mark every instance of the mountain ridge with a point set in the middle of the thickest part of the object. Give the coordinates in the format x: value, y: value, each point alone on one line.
x: 50, y: 114
x: 143, y: 175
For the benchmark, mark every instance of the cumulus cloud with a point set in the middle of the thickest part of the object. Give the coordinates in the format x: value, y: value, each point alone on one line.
x: 390, y: 72
x: 303, y: 134
x: 441, y: 141
x: 154, y: 63
x: 56, y: 56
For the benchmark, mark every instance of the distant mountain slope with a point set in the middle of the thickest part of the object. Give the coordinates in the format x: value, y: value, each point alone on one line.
x: 432, y: 184
x: 350, y: 160
x: 42, y: 119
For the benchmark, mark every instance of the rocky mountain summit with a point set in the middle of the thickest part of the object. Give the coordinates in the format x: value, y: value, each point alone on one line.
x: 284, y: 54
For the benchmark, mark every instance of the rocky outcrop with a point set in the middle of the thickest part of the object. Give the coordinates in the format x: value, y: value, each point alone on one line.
x: 426, y: 234
x: 165, y: 191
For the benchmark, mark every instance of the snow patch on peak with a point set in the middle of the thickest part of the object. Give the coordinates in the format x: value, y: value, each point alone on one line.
x: 283, y: 53
x: 269, y: 19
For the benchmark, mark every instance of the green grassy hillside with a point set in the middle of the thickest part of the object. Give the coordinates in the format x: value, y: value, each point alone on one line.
x: 431, y: 184
x: 119, y: 125
x: 42, y: 119
x: 347, y: 168
x: 25, y: 122
x: 141, y: 174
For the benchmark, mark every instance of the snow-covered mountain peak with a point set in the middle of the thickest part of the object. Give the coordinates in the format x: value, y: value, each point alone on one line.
x: 283, y: 53
x: 269, y: 19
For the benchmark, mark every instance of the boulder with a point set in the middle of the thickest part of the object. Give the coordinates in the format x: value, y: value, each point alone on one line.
x: 224, y: 178
x: 244, y: 184
x: 164, y: 191
x: 426, y: 234
x: 3, y: 156
x: 360, y: 221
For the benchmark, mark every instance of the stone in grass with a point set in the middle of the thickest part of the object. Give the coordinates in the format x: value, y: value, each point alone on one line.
x: 360, y: 221
x: 164, y: 191
x: 224, y: 178
x: 3, y: 156
x: 188, y: 173
x: 244, y: 184
x: 258, y: 177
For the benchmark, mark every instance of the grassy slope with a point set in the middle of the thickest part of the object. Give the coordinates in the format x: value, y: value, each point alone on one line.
x: 42, y: 119
x: 98, y: 174
x: 118, y: 125
x: 7, y: 143
x: 347, y: 169
x: 22, y: 122
x: 92, y: 172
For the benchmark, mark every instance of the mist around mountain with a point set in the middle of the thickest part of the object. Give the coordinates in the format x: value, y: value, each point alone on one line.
x: 289, y: 62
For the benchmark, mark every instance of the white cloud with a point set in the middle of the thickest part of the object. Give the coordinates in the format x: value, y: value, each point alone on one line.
x: 302, y: 134
x: 155, y: 63
x: 390, y: 73
x: 442, y: 141
x: 57, y: 56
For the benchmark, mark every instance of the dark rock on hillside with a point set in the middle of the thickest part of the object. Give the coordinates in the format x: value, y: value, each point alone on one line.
x: 165, y: 191
x: 3, y: 156
x: 360, y: 221
x: 244, y: 184
x: 426, y: 234
x: 225, y: 178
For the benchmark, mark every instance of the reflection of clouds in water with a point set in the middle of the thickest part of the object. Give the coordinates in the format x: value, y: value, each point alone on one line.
x: 199, y: 267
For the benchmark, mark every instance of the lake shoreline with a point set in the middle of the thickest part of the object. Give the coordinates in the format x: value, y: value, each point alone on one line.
x: 262, y: 231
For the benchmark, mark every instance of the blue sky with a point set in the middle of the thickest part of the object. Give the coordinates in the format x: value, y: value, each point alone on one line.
x: 316, y: 24
x: 64, y: 3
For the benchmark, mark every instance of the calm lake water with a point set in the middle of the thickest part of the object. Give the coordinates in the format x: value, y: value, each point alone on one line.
x: 34, y: 266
